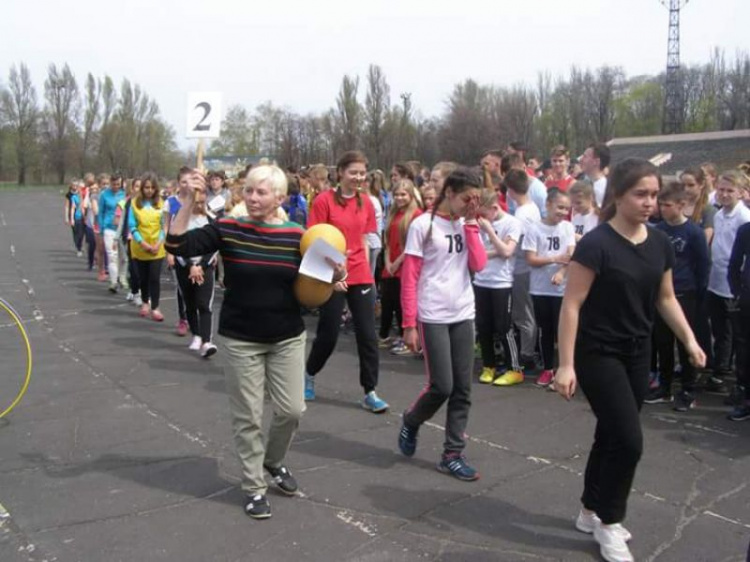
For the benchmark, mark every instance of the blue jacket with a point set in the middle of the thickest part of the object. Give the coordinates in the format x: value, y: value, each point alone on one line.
x: 108, y: 201
x: 75, y: 202
x: 739, y: 265
x: 692, y: 263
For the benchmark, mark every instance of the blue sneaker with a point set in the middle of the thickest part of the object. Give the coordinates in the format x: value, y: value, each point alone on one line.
x: 309, y: 388
x: 374, y: 403
x: 741, y: 412
x: 407, y: 440
x: 455, y: 464
x: 654, y: 380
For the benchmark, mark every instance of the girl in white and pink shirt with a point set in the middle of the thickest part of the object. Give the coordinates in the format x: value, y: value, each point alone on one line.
x: 443, y: 248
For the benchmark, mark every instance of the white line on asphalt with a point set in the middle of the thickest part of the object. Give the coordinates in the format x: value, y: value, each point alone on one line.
x: 29, y: 288
x: 674, y: 421
x: 727, y: 519
x: 347, y: 518
x: 2, y: 219
x: 12, y: 251
x: 710, y: 429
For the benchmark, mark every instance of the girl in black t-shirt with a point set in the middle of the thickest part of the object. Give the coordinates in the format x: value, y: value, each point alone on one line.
x: 619, y: 275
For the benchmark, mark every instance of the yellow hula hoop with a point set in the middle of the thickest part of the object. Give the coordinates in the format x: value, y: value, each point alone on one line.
x: 12, y: 313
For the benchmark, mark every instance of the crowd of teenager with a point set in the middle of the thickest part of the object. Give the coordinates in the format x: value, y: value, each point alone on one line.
x: 579, y: 273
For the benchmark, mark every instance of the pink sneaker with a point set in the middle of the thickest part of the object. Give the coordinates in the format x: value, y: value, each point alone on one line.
x: 182, y: 328
x: 545, y: 379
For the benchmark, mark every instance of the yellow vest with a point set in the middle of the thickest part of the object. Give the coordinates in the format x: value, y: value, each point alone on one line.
x: 148, y: 221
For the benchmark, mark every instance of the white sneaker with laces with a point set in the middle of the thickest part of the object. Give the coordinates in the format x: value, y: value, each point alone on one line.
x: 137, y: 300
x: 612, y: 545
x: 586, y: 522
x: 129, y: 297
x: 195, y: 343
x: 208, y: 349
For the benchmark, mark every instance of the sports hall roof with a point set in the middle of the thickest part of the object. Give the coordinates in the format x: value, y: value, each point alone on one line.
x: 674, y: 153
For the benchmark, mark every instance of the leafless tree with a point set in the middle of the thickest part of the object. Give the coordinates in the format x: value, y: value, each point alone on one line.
x: 22, y: 112
x: 61, y: 112
x: 377, y: 106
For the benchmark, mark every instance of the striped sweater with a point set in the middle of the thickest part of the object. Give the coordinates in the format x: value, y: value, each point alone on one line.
x: 260, y: 265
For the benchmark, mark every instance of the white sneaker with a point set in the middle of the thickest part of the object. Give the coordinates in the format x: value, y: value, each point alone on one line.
x: 208, y: 349
x: 586, y: 522
x: 612, y: 545
x: 129, y: 297
x: 195, y: 343
x: 137, y: 300
x: 79, y: 254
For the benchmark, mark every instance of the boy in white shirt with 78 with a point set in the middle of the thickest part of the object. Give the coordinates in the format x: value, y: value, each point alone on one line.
x: 522, y: 307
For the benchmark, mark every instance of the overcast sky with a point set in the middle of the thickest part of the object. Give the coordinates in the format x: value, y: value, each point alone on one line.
x: 294, y: 52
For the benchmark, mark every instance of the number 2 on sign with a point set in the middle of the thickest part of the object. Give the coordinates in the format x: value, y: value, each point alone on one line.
x: 206, y: 107
x: 458, y: 245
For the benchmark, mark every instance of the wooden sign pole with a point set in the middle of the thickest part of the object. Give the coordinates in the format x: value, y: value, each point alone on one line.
x: 199, y: 156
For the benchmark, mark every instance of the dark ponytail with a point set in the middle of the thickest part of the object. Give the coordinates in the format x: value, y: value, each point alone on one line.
x: 346, y: 160
x: 700, y: 205
x: 624, y: 176
x: 458, y: 181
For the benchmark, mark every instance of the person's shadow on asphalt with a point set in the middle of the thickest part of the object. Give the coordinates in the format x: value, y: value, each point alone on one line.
x: 468, y: 514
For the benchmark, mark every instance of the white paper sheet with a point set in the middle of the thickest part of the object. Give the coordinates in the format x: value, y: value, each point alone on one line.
x: 217, y: 203
x: 314, y: 262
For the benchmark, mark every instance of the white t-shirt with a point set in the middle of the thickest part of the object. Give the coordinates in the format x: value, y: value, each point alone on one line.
x: 529, y: 215
x: 374, y: 241
x: 498, y: 273
x: 583, y: 224
x: 444, y: 292
x: 547, y: 241
x: 600, y: 190
x: 726, y: 225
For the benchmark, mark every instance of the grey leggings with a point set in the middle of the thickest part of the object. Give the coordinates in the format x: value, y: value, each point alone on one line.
x: 449, y: 360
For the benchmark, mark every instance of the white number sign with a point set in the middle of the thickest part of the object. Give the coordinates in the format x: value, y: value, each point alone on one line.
x: 204, y: 115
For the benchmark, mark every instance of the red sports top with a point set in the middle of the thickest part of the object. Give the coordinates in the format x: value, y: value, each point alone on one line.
x: 562, y: 184
x: 393, y: 241
x: 354, y: 222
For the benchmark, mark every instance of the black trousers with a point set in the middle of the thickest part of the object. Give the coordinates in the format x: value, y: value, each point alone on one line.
x: 361, y: 301
x: 547, y: 315
x: 493, y: 308
x: 181, y: 313
x: 90, y: 245
x: 725, y: 320
x: 134, y: 280
x: 199, y: 300
x: 614, y: 379
x: 390, y: 305
x: 79, y: 232
x: 743, y: 373
x: 149, y: 273
x: 702, y: 330
x: 665, y: 341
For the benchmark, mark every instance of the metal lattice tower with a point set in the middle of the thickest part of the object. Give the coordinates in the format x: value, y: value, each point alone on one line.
x: 674, y: 102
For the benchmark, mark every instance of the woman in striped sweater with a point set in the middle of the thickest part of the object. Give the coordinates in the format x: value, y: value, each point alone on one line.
x: 263, y: 335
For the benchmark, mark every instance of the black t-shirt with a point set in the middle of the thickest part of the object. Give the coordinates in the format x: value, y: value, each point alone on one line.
x: 621, y: 303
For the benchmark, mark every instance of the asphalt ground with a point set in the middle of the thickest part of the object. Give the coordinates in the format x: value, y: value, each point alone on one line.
x: 121, y: 450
